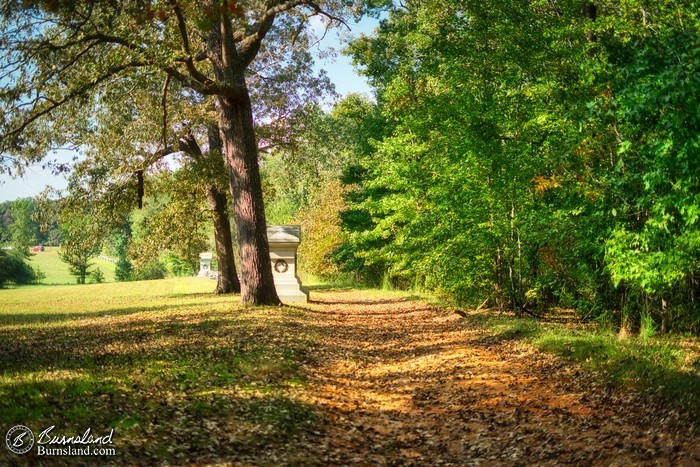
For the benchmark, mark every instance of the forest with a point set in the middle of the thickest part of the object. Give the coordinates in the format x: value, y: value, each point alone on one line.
x: 527, y: 155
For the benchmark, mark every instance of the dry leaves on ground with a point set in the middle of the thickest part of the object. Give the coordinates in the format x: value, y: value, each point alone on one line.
x: 401, y: 382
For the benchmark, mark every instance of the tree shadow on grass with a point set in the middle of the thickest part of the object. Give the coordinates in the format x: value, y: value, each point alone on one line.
x: 19, y: 319
x: 219, y: 387
x: 162, y: 427
x: 176, y: 388
x: 631, y: 364
x: 91, y: 345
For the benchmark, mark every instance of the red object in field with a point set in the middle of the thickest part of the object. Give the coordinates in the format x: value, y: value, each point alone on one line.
x: 38, y: 248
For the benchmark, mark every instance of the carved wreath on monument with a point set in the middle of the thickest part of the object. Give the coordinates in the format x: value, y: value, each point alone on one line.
x: 281, y: 266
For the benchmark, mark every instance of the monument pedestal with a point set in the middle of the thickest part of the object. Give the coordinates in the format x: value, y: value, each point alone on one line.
x: 284, y: 241
x: 205, y: 264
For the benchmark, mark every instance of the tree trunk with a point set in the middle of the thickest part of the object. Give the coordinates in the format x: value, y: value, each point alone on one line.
x: 515, y: 299
x: 241, y: 152
x: 498, y: 279
x: 666, y: 316
x: 590, y: 11
x: 228, y: 278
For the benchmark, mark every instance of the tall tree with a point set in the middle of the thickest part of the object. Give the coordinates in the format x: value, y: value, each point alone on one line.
x: 136, y: 137
x: 210, y: 164
x: 23, y: 227
x: 63, y: 55
x: 81, y: 241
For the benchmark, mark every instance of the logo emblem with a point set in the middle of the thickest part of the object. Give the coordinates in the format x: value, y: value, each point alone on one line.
x: 19, y: 439
x: 281, y: 266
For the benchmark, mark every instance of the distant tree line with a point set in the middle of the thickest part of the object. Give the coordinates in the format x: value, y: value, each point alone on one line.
x: 19, y: 232
x: 19, y: 226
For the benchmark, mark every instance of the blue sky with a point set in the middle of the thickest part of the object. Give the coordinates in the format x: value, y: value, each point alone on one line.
x: 339, y: 70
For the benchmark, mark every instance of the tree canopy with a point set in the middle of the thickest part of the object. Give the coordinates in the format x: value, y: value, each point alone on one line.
x: 62, y: 61
x: 535, y: 154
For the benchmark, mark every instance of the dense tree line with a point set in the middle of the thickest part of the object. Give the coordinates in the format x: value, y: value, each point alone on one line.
x: 535, y: 154
x: 524, y: 155
x: 18, y: 225
x: 19, y: 232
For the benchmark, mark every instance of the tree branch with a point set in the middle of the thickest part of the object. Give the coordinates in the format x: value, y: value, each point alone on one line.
x: 319, y: 11
x: 188, y: 144
x: 164, y: 104
x: 207, y: 88
x: 251, y: 43
x: 71, y: 95
x: 154, y: 157
x: 189, y: 59
x: 251, y: 40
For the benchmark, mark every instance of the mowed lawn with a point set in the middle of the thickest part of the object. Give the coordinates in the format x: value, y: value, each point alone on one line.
x: 56, y: 271
x: 178, y: 372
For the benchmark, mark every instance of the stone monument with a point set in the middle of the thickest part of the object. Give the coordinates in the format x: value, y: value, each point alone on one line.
x: 284, y: 241
x: 205, y: 264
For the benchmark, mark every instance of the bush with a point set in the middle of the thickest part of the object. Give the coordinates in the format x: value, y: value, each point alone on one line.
x: 647, y: 328
x: 151, y: 271
x: 321, y: 233
x: 14, y: 268
x: 39, y: 274
x: 178, y: 266
x: 124, y: 270
x: 96, y: 276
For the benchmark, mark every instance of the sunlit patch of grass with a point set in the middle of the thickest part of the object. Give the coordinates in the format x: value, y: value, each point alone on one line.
x: 269, y: 367
x: 161, y: 361
x: 663, y: 364
x: 57, y: 272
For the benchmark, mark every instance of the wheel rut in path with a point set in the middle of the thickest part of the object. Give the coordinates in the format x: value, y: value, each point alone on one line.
x: 400, y: 382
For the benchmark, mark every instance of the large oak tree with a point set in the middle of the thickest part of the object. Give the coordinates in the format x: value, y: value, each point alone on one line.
x: 60, y: 57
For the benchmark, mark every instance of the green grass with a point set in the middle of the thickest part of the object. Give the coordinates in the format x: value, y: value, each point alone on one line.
x: 667, y: 365
x: 166, y: 363
x: 56, y: 271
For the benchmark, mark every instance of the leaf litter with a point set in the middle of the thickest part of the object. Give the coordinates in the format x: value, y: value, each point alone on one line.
x: 400, y: 382
x: 352, y: 378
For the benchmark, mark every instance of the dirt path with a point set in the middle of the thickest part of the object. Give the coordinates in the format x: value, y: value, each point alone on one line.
x: 399, y: 382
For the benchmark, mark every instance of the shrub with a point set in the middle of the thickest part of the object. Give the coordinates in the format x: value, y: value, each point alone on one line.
x: 97, y: 276
x: 124, y: 270
x: 178, y: 266
x: 14, y: 268
x: 151, y: 271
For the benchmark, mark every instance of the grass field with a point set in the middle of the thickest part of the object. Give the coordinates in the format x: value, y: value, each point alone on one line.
x: 180, y: 373
x: 56, y: 271
x: 161, y: 362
